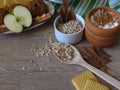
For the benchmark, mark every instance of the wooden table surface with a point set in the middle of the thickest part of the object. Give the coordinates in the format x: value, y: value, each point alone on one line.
x: 21, y: 69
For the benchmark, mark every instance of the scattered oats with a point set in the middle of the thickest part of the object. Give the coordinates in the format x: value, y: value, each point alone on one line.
x: 41, y: 68
x: 62, y: 51
x: 44, y: 51
x: 31, y: 61
x: 32, y: 50
x: 23, y: 68
x: 33, y: 44
x: 37, y: 54
x: 35, y: 64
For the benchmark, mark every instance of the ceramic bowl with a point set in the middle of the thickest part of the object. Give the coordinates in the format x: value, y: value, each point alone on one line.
x: 69, y: 38
x: 101, y: 37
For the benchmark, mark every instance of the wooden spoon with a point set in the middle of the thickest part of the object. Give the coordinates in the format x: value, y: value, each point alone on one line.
x: 80, y: 61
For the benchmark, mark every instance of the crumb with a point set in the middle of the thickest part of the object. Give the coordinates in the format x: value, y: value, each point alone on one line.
x: 34, y: 64
x: 41, y: 68
x: 31, y: 61
x: 23, y: 68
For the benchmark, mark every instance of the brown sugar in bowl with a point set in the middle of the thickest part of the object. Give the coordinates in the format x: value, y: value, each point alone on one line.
x: 100, y: 37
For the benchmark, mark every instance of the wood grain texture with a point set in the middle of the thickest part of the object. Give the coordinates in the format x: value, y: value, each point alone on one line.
x: 15, y: 54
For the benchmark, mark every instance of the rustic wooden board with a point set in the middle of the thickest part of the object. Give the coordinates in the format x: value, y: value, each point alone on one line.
x: 18, y: 73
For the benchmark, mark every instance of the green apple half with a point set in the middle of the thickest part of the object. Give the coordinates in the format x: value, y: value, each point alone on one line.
x: 20, y: 17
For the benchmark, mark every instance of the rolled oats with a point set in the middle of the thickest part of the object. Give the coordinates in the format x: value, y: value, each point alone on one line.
x: 41, y: 68
x: 64, y: 52
x: 73, y: 26
x: 23, y: 68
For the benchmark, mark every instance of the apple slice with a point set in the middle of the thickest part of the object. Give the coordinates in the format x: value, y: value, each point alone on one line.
x: 20, y: 17
x: 23, y: 15
x: 12, y: 24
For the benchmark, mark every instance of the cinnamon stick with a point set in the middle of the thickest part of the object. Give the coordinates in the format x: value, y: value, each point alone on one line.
x: 71, y: 14
x: 92, y: 52
x: 90, y: 58
x: 62, y: 15
x: 101, y: 52
x: 94, y: 62
x: 65, y: 14
x: 84, y: 53
x: 104, y: 68
x: 65, y: 5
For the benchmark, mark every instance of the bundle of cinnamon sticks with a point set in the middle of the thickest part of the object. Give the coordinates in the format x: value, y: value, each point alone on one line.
x: 96, y: 57
x: 65, y: 13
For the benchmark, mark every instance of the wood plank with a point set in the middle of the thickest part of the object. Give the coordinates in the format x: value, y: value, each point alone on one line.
x: 18, y: 73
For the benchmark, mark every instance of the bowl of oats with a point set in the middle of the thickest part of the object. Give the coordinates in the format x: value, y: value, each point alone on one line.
x: 102, y: 26
x: 70, y: 32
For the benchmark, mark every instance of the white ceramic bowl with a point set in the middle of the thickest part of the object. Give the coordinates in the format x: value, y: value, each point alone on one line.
x: 69, y: 38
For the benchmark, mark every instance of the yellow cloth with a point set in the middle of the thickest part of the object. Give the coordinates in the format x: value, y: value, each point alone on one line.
x: 22, y: 2
x: 93, y: 85
x: 1, y: 3
x: 8, y: 3
x: 87, y: 81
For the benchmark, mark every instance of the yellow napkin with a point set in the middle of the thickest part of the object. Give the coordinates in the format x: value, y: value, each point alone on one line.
x: 93, y: 85
x: 1, y: 3
x: 87, y: 81
x: 8, y: 3
x: 22, y: 2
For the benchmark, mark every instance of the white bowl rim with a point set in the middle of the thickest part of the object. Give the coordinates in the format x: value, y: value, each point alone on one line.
x: 77, y: 19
